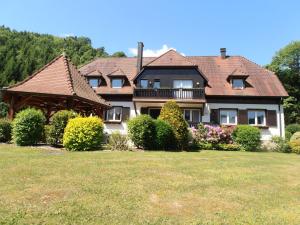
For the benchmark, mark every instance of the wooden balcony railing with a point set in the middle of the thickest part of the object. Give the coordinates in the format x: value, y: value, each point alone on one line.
x: 171, y: 93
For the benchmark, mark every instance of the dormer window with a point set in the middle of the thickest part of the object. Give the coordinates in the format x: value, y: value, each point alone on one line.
x: 238, y: 83
x: 94, y: 82
x: 116, y: 83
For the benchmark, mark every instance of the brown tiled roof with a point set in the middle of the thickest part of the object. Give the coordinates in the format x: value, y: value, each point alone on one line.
x: 262, y: 82
x: 116, y: 73
x: 59, y: 77
x: 170, y: 58
x: 94, y: 73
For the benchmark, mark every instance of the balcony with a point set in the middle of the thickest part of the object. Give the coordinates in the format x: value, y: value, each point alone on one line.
x: 182, y: 94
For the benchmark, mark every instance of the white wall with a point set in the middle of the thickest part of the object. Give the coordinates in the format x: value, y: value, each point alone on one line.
x: 266, y: 134
x: 122, y: 127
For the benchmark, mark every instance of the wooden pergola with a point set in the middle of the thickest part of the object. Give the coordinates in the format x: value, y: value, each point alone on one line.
x: 56, y: 86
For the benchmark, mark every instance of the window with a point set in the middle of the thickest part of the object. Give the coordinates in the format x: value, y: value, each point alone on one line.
x: 117, y: 83
x: 144, y: 83
x: 94, y: 82
x: 257, y: 117
x: 183, y: 84
x: 192, y: 115
x: 114, y: 114
x: 156, y: 84
x: 228, y: 117
x: 238, y: 84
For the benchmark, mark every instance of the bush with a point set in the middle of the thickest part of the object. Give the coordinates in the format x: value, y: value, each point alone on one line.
x: 288, y: 135
x: 295, y: 146
x: 141, y: 130
x: 164, y: 135
x: 118, y: 142
x: 292, y: 128
x: 228, y: 147
x: 28, y: 127
x: 247, y: 136
x: 58, y: 125
x: 295, y: 136
x: 278, y: 144
x: 205, y: 146
x: 172, y: 114
x: 83, y: 133
x: 5, y: 130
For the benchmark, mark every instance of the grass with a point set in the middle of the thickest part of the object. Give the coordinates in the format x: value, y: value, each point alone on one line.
x: 39, y: 186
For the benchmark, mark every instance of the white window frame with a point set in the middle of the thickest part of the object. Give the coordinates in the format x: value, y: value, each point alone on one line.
x: 122, y: 82
x: 239, y: 88
x: 114, y: 114
x: 255, y: 117
x: 191, y: 114
x: 227, y: 111
x: 182, y: 83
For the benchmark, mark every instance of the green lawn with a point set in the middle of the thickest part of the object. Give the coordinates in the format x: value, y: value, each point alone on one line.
x: 39, y: 186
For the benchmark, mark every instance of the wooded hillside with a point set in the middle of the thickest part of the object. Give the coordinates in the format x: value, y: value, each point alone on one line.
x: 21, y: 53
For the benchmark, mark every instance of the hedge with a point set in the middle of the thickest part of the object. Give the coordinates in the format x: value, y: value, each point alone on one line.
x: 28, y: 127
x: 247, y: 136
x: 141, y: 130
x: 5, y: 130
x: 83, y: 133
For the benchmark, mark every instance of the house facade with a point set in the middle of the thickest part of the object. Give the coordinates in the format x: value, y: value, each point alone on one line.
x: 225, y: 90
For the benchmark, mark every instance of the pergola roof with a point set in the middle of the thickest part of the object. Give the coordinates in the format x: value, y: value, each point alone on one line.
x: 55, y: 85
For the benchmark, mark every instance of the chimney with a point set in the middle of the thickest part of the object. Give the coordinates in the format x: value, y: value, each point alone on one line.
x: 223, y: 53
x: 140, y: 56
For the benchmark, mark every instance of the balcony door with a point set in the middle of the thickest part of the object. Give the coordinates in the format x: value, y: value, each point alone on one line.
x: 182, y: 85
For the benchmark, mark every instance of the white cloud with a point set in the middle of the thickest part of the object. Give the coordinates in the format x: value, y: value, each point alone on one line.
x: 152, y: 52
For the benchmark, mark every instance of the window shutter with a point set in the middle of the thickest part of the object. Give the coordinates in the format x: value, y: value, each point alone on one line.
x: 144, y: 110
x: 271, y: 118
x: 125, y: 113
x: 214, y: 116
x: 242, y: 116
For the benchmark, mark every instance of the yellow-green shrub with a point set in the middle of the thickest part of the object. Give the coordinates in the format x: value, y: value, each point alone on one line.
x: 83, y: 133
x: 172, y: 114
x: 295, y: 146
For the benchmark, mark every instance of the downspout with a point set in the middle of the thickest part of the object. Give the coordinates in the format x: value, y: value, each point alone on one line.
x: 280, y: 128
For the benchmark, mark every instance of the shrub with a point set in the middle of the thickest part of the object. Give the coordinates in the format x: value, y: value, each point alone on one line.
x: 58, y: 125
x: 205, y: 146
x: 295, y: 146
x: 247, y: 136
x: 278, y: 144
x: 28, y: 127
x: 5, y: 130
x: 83, y: 133
x: 213, y: 134
x: 288, y: 135
x: 172, y: 114
x: 164, y: 135
x: 141, y: 130
x: 292, y: 128
x: 228, y: 147
x: 295, y: 136
x: 118, y: 142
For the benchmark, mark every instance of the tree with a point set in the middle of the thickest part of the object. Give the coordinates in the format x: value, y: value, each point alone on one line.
x: 119, y: 54
x: 286, y: 64
x: 172, y: 114
x: 22, y: 53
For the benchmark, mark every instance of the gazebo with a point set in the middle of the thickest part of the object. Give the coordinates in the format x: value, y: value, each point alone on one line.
x: 56, y: 86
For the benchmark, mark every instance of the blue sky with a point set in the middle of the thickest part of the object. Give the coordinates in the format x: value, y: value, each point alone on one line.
x: 255, y: 29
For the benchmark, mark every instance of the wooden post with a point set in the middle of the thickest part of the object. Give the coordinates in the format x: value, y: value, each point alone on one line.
x: 11, y: 110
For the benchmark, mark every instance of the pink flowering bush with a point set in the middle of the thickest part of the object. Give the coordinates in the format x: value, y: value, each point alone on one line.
x: 213, y: 134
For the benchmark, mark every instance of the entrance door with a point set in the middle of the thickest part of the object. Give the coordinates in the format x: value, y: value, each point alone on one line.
x: 154, y: 113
